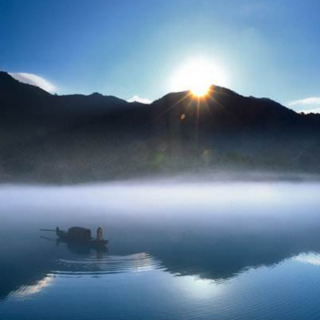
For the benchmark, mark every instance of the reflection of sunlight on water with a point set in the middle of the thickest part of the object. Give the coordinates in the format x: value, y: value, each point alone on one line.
x: 311, y: 258
x: 199, y: 289
x: 25, y: 291
x: 143, y: 263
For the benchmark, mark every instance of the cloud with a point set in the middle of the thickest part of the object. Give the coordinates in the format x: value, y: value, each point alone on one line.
x: 311, y: 258
x: 310, y: 111
x: 307, y: 105
x: 35, y: 80
x: 308, y: 101
x: 141, y: 100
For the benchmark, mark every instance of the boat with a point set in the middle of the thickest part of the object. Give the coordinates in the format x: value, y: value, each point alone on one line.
x: 79, y: 235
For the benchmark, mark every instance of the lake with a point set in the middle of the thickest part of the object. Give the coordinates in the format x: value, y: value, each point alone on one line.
x: 223, y: 250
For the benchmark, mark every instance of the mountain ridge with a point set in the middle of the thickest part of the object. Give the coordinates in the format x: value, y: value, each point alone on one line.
x: 5, y: 75
x: 95, y: 137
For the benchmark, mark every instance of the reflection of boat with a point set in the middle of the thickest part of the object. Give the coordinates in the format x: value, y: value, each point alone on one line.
x: 81, y: 236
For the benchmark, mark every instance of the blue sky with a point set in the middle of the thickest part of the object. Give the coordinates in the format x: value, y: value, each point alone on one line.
x: 135, y: 47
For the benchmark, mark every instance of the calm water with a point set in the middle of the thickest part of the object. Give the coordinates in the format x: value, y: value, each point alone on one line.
x: 222, y: 250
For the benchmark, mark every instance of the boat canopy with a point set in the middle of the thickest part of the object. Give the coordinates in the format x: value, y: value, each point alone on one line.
x: 79, y: 234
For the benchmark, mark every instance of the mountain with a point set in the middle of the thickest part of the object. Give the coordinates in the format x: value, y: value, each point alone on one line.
x: 24, y: 103
x: 76, y: 138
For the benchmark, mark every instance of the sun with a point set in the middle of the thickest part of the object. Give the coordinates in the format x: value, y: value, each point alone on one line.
x: 200, y: 90
x: 197, y: 76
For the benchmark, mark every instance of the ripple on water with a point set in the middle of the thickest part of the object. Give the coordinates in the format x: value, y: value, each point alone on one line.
x: 254, y: 294
x: 96, y: 265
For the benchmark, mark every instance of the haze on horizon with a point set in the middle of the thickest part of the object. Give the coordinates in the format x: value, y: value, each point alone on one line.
x: 138, y: 49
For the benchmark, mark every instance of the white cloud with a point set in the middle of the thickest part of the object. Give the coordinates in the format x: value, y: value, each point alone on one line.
x: 313, y: 101
x: 306, y: 105
x: 310, y: 111
x: 311, y: 258
x: 35, y: 80
x: 141, y: 100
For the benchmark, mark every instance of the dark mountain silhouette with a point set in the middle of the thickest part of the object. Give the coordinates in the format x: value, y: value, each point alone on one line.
x: 24, y: 103
x: 72, y: 138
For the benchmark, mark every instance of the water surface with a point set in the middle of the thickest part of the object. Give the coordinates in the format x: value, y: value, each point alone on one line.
x: 177, y: 251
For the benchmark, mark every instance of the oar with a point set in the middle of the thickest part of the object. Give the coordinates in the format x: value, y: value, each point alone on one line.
x: 51, y: 230
x: 46, y: 238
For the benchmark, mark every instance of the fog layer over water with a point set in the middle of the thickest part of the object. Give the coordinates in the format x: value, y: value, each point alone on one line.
x: 177, y: 250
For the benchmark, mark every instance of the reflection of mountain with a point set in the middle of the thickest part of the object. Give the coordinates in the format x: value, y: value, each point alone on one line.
x: 216, y: 256
x: 91, y: 265
x: 36, y: 271
x: 228, y: 255
x: 24, y: 267
x: 83, y: 138
x: 27, y: 290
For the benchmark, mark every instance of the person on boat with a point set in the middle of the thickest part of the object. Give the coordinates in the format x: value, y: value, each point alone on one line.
x: 99, y: 234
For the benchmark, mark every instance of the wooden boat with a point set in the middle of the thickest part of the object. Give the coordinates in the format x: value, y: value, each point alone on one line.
x: 79, y: 235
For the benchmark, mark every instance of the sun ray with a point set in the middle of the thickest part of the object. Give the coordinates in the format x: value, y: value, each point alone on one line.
x: 170, y: 108
x: 197, y: 124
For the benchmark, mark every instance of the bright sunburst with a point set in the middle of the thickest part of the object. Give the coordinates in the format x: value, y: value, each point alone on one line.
x: 199, y: 90
x: 197, y: 76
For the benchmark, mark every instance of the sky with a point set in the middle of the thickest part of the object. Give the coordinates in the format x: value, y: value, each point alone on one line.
x: 138, y: 49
